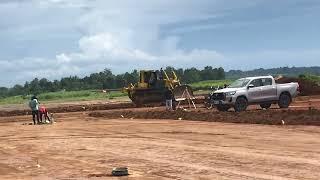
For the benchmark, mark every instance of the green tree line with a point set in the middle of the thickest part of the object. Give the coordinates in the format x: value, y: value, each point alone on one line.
x: 105, y: 80
x: 285, y: 71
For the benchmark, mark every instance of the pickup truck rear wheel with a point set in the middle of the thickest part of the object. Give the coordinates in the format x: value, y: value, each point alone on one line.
x: 265, y: 106
x: 241, y: 104
x: 284, y: 101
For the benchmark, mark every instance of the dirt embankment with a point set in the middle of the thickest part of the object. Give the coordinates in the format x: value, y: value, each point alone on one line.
x: 307, y: 88
x: 71, y: 108
x: 271, y: 117
x: 87, y: 107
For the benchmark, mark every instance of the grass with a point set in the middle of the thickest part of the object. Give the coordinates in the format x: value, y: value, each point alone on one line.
x: 63, y: 96
x: 205, y: 85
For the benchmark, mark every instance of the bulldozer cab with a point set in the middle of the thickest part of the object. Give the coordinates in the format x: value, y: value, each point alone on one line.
x: 151, y: 79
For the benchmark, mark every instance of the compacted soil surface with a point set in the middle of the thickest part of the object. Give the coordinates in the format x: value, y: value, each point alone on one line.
x: 79, y: 146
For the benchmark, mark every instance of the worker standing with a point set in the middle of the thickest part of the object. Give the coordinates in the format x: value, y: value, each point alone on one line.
x: 34, y: 106
x: 161, y: 74
x: 169, y: 97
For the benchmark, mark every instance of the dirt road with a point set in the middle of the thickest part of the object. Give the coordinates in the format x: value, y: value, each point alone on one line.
x: 79, y: 146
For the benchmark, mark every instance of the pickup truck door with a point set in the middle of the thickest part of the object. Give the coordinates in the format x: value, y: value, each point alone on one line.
x: 254, y: 93
x: 269, y: 90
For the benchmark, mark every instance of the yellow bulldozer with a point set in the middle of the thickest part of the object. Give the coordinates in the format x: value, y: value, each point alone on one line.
x: 152, y: 86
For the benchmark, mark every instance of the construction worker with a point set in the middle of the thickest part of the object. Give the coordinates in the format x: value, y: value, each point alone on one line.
x: 161, y: 74
x: 43, y: 114
x: 169, y: 96
x: 34, y: 106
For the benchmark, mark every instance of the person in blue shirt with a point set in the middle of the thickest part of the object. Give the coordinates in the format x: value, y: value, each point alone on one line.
x: 34, y: 106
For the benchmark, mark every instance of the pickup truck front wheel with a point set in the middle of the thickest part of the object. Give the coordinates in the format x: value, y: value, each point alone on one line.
x: 284, y: 101
x: 241, y: 104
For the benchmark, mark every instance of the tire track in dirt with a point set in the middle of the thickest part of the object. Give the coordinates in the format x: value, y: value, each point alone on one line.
x: 235, y: 150
x: 241, y: 152
x: 154, y: 159
x: 142, y: 139
x: 164, y: 148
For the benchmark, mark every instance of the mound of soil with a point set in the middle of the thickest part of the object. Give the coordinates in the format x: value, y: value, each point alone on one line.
x: 71, y: 108
x: 307, y: 88
x: 271, y: 117
x: 90, y: 107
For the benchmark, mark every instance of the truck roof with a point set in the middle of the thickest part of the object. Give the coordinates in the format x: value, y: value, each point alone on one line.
x: 256, y: 77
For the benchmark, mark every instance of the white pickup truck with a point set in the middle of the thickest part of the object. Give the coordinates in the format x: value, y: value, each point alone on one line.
x: 255, y: 90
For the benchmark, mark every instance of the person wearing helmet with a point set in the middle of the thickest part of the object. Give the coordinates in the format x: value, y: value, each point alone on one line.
x: 34, y: 106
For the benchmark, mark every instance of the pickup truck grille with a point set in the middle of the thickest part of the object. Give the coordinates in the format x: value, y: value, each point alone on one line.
x: 218, y: 96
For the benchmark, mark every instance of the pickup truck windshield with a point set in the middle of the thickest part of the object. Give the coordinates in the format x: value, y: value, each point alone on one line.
x: 239, y: 83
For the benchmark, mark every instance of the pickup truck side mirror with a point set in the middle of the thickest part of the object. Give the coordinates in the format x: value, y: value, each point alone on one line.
x: 250, y: 86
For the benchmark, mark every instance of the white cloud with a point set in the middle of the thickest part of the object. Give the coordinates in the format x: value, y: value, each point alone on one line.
x: 121, y: 35
x: 105, y: 49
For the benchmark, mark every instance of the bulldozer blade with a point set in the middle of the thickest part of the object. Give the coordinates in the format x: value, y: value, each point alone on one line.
x: 181, y: 91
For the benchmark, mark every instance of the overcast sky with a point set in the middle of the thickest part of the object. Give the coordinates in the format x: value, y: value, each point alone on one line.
x: 57, y: 38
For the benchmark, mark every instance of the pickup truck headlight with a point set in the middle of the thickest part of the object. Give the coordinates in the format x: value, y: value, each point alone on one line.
x: 231, y: 93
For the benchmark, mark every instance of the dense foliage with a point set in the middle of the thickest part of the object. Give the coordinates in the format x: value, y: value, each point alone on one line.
x: 105, y: 80
x: 285, y: 71
x: 309, y: 77
x: 210, y: 84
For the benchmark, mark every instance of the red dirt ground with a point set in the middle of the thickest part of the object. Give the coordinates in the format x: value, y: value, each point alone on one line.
x: 70, y: 108
x: 82, y: 147
x: 302, y: 102
x: 271, y: 117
